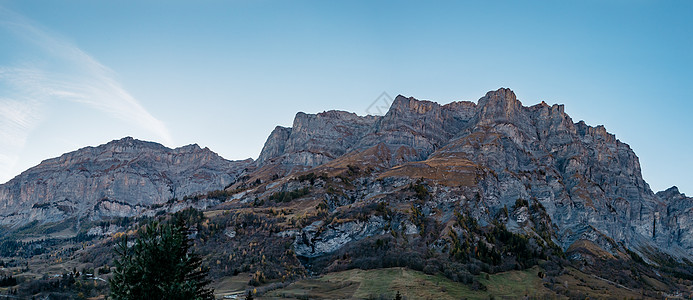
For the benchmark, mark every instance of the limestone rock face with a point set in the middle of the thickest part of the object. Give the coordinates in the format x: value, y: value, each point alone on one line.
x: 411, y: 129
x: 482, y: 157
x: 314, y: 240
x: 676, y: 221
x: 120, y: 178
x: 275, y: 145
x: 589, y: 182
x: 499, y: 106
x: 315, y: 139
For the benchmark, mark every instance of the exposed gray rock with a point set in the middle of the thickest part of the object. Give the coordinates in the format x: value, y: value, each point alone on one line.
x: 589, y: 182
x: 411, y: 129
x: 318, y: 239
x: 582, y: 175
x: 104, y: 231
x: 120, y: 178
x: 230, y: 232
x: 275, y: 145
x: 315, y: 139
x: 675, y: 223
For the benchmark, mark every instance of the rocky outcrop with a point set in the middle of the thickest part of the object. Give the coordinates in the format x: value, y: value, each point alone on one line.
x: 411, y: 129
x: 674, y: 224
x: 582, y: 175
x: 318, y: 239
x: 275, y: 145
x: 482, y: 156
x: 120, y: 178
x: 315, y: 139
x: 589, y: 182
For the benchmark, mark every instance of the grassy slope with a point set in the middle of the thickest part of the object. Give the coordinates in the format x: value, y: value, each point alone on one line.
x: 231, y: 285
x: 595, y: 287
x: 362, y: 284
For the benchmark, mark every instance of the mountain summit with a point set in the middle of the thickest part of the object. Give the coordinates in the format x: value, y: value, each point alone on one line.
x: 497, y: 150
x: 456, y: 189
x: 589, y: 182
x: 120, y: 178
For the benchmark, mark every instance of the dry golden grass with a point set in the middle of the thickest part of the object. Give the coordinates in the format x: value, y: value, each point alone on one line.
x: 591, y: 248
x: 375, y: 157
x: 449, y: 170
x: 231, y: 285
x: 364, y: 284
x: 595, y: 287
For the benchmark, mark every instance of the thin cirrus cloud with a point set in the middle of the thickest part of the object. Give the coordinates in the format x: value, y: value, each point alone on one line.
x: 60, y: 71
x: 16, y: 119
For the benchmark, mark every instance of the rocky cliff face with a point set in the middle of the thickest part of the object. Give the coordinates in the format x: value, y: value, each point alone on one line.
x: 120, y: 178
x: 586, y: 178
x: 500, y: 151
x: 482, y: 158
x: 453, y: 189
x: 411, y: 129
x: 315, y: 139
x: 673, y: 222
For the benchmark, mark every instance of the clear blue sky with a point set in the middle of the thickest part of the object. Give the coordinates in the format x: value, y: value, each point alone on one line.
x: 223, y: 73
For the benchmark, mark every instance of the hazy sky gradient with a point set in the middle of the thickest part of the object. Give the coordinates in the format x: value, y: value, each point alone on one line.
x: 223, y: 73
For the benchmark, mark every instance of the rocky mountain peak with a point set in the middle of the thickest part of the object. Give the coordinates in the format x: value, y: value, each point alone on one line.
x: 499, y: 106
x: 670, y: 193
x: 130, y: 143
x: 405, y: 105
x: 303, y: 120
x: 275, y: 144
x: 501, y: 94
x: 193, y: 148
x: 673, y: 189
x: 576, y: 171
x: 596, y: 132
x: 128, y: 172
x: 452, y: 185
x: 315, y: 139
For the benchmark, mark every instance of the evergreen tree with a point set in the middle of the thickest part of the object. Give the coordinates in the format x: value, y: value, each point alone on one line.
x: 159, y: 265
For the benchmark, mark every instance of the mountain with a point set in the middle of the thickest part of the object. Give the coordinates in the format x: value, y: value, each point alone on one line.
x: 498, y: 150
x: 475, y: 192
x: 120, y: 178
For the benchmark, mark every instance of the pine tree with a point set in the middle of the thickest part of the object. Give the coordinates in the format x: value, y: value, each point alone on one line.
x: 159, y: 265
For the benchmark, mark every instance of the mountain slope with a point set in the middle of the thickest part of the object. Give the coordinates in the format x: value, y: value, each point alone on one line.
x: 589, y: 182
x: 470, y: 191
x: 120, y: 178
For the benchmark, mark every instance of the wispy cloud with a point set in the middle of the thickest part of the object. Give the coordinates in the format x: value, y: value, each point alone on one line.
x: 70, y: 75
x: 16, y: 119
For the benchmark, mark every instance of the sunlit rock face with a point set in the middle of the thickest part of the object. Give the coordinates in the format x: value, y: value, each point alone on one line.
x: 411, y: 129
x: 482, y: 156
x: 589, y: 182
x: 120, y: 178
